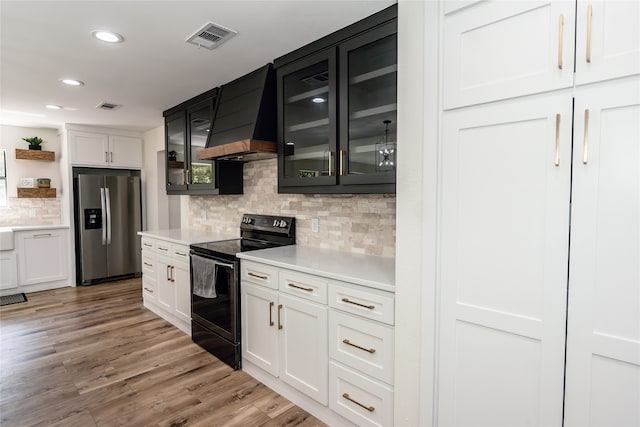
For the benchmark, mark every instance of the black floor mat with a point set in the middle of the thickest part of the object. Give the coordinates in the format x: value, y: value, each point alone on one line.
x: 13, y: 299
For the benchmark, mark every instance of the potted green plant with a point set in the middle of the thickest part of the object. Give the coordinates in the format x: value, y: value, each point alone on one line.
x: 34, y: 142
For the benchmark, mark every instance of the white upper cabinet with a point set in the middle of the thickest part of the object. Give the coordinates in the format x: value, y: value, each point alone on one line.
x: 95, y: 149
x: 504, y: 49
x: 607, y: 40
x: 603, y: 338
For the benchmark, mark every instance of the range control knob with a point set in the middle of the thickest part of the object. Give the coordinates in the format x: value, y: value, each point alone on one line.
x: 283, y: 223
x: 276, y: 223
x: 247, y: 220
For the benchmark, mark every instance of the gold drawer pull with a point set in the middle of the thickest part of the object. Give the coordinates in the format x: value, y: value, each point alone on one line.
x: 348, y: 301
x: 368, y: 408
x: 148, y: 265
x: 148, y: 290
x: 369, y: 350
x: 42, y: 235
x: 257, y: 275
x: 291, y: 285
x: 148, y: 245
x: 589, y: 18
x: 163, y: 249
x: 560, y: 32
x: 181, y: 253
x: 279, y: 309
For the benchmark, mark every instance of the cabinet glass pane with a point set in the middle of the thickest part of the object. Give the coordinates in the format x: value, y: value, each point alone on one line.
x: 372, y: 107
x: 306, y: 122
x: 199, y: 124
x: 175, y: 151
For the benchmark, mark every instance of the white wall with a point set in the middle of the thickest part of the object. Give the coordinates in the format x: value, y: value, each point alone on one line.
x: 153, y: 142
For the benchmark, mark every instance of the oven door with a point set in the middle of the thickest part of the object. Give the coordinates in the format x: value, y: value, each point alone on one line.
x: 215, y: 295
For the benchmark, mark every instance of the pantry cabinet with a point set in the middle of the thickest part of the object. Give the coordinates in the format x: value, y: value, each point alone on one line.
x: 539, y: 240
x: 102, y: 150
x: 337, y: 111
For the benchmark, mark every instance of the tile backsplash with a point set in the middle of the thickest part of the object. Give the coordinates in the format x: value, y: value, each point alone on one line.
x: 30, y: 212
x: 351, y: 223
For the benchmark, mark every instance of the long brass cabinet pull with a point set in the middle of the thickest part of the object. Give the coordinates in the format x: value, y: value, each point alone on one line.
x: 148, y: 245
x: 557, y: 153
x: 257, y: 275
x: 180, y: 253
x: 348, y: 301
x: 560, y: 37
x: 279, y: 309
x: 342, y: 154
x: 111, y: 157
x: 368, y: 408
x: 291, y: 285
x: 148, y: 290
x: 163, y: 249
x: 271, y: 304
x: 585, y: 142
x: 168, y: 273
x: 173, y: 278
x: 38, y: 236
x: 106, y: 157
x: 148, y: 265
x: 368, y: 350
x: 331, y: 173
x: 589, y: 15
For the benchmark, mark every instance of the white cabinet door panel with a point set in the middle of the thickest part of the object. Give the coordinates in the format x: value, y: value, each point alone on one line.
x: 125, y: 152
x: 42, y: 256
x: 603, y: 342
x: 8, y: 270
x: 164, y: 290
x: 505, y: 221
x: 614, y: 40
x: 91, y: 149
x: 497, y: 50
x: 182, y: 288
x: 303, y: 347
x: 260, y: 326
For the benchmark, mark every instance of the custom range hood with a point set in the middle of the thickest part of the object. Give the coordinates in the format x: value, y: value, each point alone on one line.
x: 244, y: 123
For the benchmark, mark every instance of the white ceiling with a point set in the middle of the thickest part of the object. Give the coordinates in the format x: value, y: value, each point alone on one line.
x: 154, y: 69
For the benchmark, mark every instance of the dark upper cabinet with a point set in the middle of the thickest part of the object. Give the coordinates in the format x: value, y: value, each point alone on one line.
x: 187, y: 127
x: 337, y: 111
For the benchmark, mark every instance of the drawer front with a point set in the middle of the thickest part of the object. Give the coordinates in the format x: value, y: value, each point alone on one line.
x: 305, y: 286
x: 148, y: 288
x: 362, y: 344
x: 367, y: 302
x: 148, y: 263
x: 260, y: 274
x: 361, y: 400
x: 163, y: 248
x: 148, y: 244
x: 180, y: 253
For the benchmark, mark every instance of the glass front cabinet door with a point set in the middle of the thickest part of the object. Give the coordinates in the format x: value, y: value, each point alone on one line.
x: 176, y: 152
x: 201, y: 174
x: 307, y: 126
x: 368, y: 82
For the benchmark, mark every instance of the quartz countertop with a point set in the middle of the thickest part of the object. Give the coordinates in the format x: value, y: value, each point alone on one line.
x: 366, y: 270
x: 33, y: 227
x: 186, y: 236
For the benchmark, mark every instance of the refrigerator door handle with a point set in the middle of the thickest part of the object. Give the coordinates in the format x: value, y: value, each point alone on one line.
x: 104, y: 211
x: 108, y: 203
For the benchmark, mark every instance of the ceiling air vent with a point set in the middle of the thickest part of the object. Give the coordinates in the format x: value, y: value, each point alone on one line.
x: 210, y: 36
x: 108, y: 106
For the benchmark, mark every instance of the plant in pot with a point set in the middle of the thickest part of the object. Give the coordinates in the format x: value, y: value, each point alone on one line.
x: 34, y: 142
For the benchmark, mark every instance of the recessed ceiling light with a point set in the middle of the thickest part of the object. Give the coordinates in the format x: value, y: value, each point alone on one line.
x: 318, y: 100
x: 72, y: 82
x: 107, y: 36
x: 54, y: 107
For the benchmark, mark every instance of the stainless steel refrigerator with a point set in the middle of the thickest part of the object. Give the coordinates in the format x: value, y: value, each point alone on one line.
x: 108, y: 217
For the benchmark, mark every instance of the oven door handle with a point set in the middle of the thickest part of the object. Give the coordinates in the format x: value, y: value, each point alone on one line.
x: 214, y: 261
x: 231, y: 266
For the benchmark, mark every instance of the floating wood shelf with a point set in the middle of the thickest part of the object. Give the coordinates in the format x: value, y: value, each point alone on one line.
x: 245, y: 146
x: 173, y: 164
x: 48, y: 156
x: 36, y: 193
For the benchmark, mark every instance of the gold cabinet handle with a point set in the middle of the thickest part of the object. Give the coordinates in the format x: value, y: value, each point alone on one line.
x: 331, y: 173
x: 291, y: 285
x: 271, y: 304
x: 39, y: 236
x: 106, y: 157
x: 560, y: 36
x: 348, y: 301
x: 111, y: 157
x: 368, y: 408
x: 257, y: 275
x: 279, y: 309
x: 173, y: 277
x: 557, y: 153
x: 147, y: 245
x: 589, y: 19
x: 585, y: 142
x: 342, y: 154
x: 148, y: 290
x: 368, y: 350
x: 163, y: 249
x: 180, y: 253
x: 148, y: 265
x: 168, y: 272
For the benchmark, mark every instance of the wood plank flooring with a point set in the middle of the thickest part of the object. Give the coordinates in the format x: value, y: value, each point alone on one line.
x: 94, y: 356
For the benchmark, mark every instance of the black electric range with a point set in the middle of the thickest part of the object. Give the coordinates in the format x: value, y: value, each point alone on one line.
x: 215, y: 283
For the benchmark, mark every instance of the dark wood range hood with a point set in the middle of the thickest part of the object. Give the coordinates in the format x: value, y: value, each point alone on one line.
x: 244, y: 123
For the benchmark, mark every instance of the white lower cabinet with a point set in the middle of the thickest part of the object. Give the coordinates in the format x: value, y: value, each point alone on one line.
x: 166, y: 282
x: 298, y: 328
x: 8, y: 270
x: 42, y: 258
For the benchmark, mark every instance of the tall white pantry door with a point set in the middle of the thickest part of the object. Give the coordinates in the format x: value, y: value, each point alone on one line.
x: 506, y: 170
x: 603, y: 337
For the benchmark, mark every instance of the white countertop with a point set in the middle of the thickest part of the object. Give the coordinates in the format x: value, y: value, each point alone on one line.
x: 33, y: 227
x: 186, y: 236
x: 372, y: 271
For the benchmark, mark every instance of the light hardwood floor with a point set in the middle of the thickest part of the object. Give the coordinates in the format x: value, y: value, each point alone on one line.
x: 94, y: 356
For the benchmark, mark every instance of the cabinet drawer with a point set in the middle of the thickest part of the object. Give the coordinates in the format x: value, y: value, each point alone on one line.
x: 148, y: 244
x: 163, y: 248
x: 148, y: 287
x: 362, y: 344
x: 260, y: 274
x: 305, y: 286
x: 180, y: 253
x: 359, y: 399
x: 367, y: 302
x: 148, y: 263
